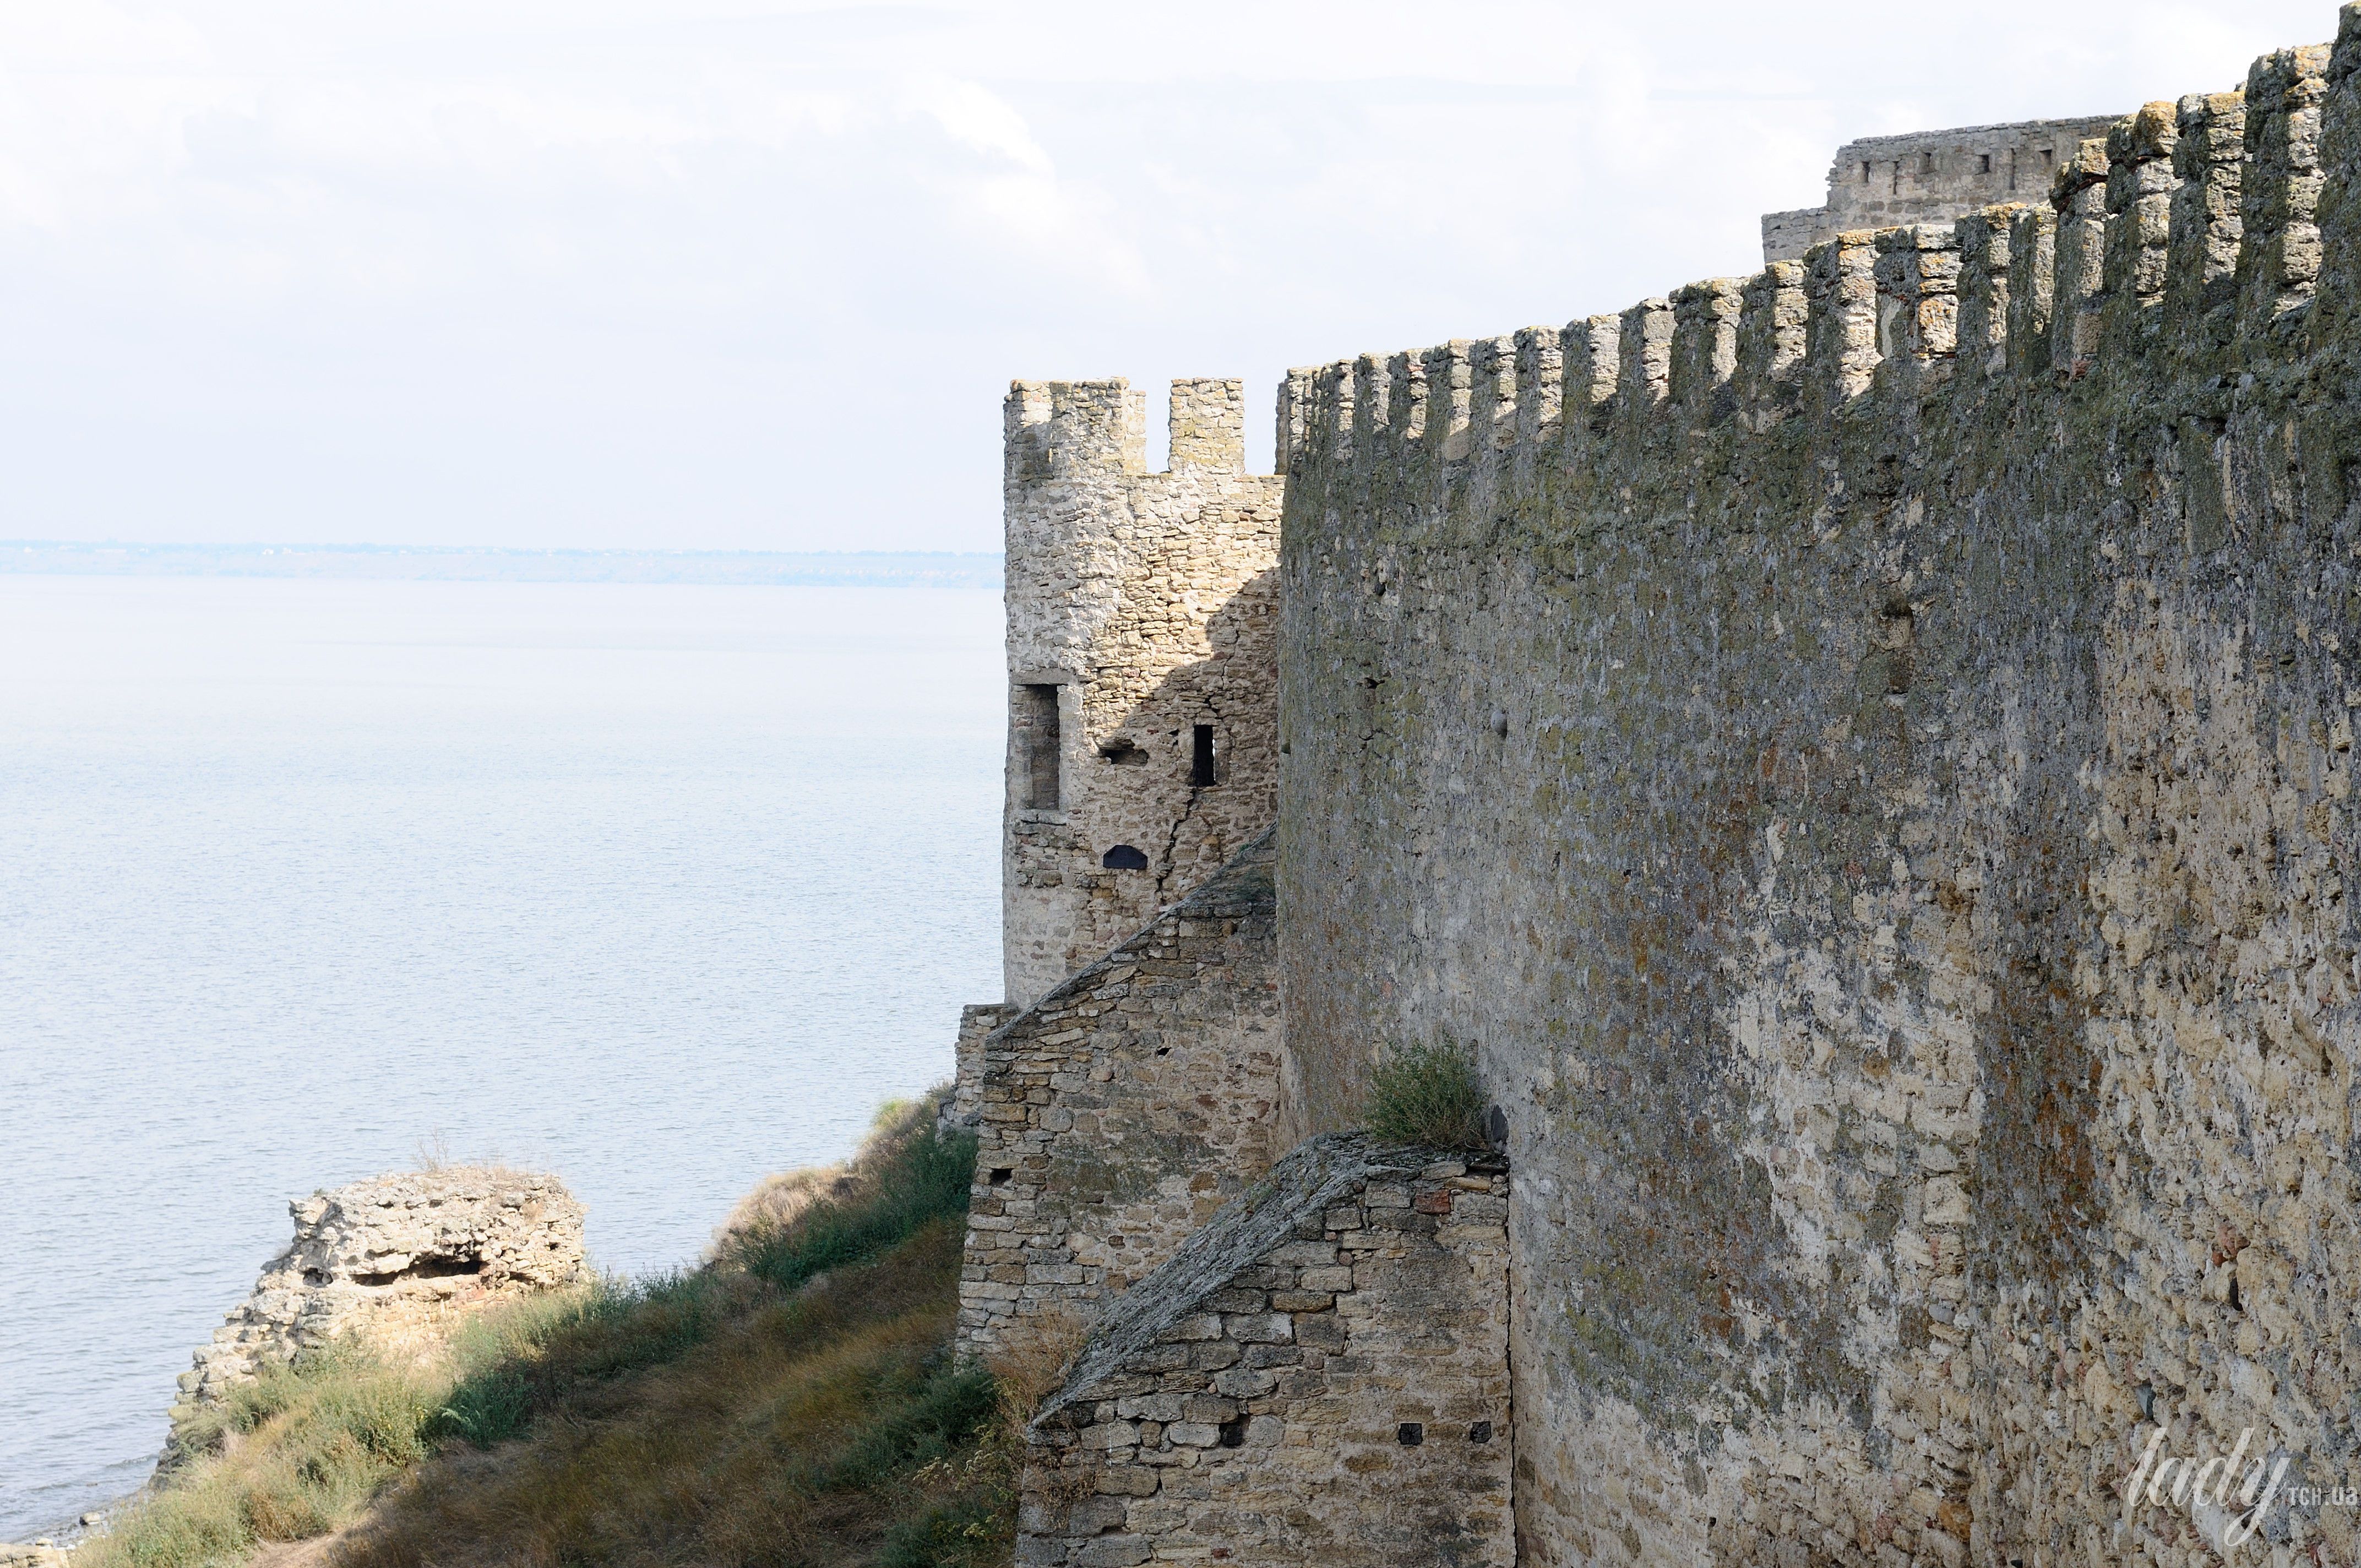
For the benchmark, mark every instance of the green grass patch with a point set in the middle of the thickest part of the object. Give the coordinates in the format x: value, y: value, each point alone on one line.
x: 293, y: 1454
x: 1427, y: 1095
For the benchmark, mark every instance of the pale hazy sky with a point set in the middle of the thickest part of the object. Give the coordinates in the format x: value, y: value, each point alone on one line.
x: 615, y: 272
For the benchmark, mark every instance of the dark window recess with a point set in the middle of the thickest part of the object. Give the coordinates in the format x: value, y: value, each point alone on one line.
x: 1201, y: 757
x: 1984, y: 163
x: 1124, y: 858
x: 1001, y: 1173
x: 1410, y: 1435
x: 1480, y: 1432
x: 1233, y: 1432
x: 1037, y: 738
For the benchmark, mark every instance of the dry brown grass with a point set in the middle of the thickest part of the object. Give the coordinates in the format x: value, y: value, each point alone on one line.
x: 734, y: 1454
x: 1033, y: 1358
x: 777, y: 1202
x: 792, y: 1403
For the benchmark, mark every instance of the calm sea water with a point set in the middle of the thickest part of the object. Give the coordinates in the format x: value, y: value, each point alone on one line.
x: 661, y: 888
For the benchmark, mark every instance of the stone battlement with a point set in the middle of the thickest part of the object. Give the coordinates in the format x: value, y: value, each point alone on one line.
x: 2180, y: 230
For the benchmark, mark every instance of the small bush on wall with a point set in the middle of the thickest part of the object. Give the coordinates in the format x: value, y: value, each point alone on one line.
x: 1427, y: 1094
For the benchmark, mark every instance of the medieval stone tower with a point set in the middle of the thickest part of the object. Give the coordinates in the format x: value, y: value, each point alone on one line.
x: 1142, y: 670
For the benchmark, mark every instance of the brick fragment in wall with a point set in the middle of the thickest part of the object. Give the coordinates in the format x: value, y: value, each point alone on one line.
x: 1378, y: 1434
x: 1117, y: 1113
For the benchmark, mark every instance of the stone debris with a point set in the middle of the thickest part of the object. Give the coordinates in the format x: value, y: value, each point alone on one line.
x: 397, y: 1254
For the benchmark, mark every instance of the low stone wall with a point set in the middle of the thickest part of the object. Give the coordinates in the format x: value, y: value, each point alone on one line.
x: 397, y: 1254
x: 977, y: 1023
x: 1119, y: 1111
x: 1321, y: 1376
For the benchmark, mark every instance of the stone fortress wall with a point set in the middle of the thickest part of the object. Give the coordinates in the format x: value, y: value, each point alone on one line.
x: 1142, y: 624
x: 1862, y: 756
x: 1319, y: 1379
x: 1930, y: 176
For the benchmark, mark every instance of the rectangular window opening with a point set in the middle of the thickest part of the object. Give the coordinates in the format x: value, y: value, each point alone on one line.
x: 1037, y: 738
x: 1984, y: 163
x: 1200, y: 759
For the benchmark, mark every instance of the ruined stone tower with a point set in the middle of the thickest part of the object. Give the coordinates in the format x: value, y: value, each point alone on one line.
x: 1930, y: 176
x: 1142, y: 676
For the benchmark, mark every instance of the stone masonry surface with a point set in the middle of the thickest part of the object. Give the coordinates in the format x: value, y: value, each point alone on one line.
x: 1125, y: 1107
x: 1141, y: 606
x: 1319, y: 1377
x: 1930, y: 176
x: 977, y: 1023
x: 395, y: 1253
x: 1864, y: 755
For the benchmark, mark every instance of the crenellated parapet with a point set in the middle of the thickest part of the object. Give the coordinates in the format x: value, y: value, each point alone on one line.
x: 2129, y: 250
x: 1141, y: 666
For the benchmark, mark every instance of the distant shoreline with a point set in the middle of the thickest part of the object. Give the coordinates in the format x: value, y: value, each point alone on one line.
x: 457, y: 564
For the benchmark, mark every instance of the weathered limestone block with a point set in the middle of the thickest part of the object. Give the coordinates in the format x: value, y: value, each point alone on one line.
x: 392, y: 1256
x: 1319, y: 1376
x: 1115, y: 1115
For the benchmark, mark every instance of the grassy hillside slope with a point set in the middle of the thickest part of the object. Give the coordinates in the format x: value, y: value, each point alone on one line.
x: 790, y: 1404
